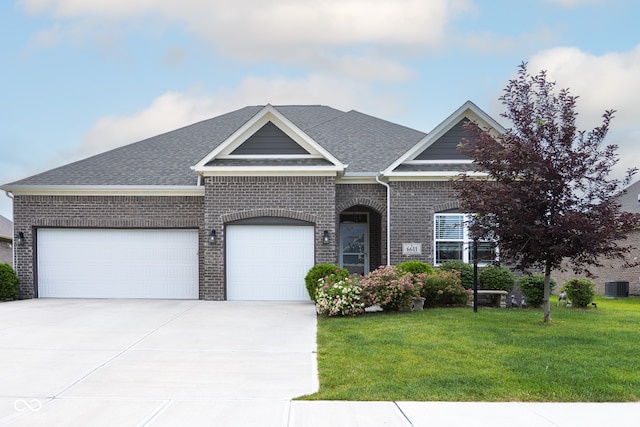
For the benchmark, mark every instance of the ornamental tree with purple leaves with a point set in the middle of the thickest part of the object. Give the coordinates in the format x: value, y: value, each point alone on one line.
x: 544, y: 191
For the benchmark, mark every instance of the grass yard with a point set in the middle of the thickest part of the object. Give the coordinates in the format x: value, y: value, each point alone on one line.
x: 454, y: 354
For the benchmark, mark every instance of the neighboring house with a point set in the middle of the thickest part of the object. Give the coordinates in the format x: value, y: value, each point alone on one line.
x: 240, y: 206
x: 6, y: 241
x: 618, y: 270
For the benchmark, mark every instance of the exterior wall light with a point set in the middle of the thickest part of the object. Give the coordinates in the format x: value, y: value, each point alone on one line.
x: 20, y: 238
x: 212, y: 236
x: 325, y: 237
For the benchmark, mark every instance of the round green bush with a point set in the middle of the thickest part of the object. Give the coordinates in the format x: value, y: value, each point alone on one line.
x: 466, y: 271
x: 496, y: 277
x: 9, y: 282
x: 579, y: 291
x: 320, y: 271
x: 415, y: 267
x: 532, y: 287
x: 442, y: 288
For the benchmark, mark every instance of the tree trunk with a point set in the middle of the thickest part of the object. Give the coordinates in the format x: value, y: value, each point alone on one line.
x: 546, y: 304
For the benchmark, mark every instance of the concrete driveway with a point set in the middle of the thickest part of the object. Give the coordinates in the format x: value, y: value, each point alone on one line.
x: 154, y: 362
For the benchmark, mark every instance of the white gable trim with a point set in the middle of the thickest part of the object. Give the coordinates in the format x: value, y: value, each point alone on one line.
x: 468, y: 110
x: 267, y: 114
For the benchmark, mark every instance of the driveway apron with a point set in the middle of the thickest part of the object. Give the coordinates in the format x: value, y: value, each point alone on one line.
x: 154, y: 362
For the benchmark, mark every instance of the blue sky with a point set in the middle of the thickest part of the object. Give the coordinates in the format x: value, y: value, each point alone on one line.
x: 81, y: 77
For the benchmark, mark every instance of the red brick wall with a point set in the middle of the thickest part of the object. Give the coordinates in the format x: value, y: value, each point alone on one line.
x: 32, y: 212
x: 413, y: 205
x: 227, y: 199
x: 614, y: 270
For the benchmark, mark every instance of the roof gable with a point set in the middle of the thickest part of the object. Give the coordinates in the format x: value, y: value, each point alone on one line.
x: 436, y: 155
x: 269, y: 143
x: 269, y: 140
x: 446, y: 147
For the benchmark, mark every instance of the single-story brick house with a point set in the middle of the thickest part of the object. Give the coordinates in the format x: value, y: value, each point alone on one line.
x: 240, y: 206
x: 6, y: 241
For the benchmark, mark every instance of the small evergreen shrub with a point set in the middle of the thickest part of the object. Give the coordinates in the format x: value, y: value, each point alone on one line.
x: 9, y: 282
x: 579, y: 291
x: 392, y: 289
x: 532, y: 287
x: 338, y: 296
x: 442, y: 288
x: 415, y: 267
x: 466, y: 271
x: 496, y: 277
x: 320, y: 271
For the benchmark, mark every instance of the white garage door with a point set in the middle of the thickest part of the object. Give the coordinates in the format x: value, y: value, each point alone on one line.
x: 268, y: 262
x: 117, y: 263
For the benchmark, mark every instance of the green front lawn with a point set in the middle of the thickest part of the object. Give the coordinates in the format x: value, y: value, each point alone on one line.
x: 454, y: 354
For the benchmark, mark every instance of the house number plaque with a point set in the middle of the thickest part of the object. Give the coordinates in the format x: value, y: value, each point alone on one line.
x: 412, y: 249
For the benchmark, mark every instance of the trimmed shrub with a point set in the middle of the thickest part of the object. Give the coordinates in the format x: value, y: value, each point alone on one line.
x: 442, y: 288
x: 466, y: 271
x: 392, y: 289
x: 9, y: 282
x: 532, y: 287
x: 341, y: 297
x: 320, y: 271
x: 496, y: 277
x: 579, y: 291
x: 415, y: 267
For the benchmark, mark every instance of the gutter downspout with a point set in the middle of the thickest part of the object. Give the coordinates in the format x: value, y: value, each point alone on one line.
x: 388, y: 217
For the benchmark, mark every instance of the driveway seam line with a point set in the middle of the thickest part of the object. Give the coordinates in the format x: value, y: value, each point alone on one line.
x: 119, y: 354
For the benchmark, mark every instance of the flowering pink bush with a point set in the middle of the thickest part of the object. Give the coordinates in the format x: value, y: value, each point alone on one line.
x: 392, y: 289
x: 338, y: 296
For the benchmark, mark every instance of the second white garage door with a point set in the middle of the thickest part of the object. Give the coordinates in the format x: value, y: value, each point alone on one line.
x: 268, y: 262
x: 117, y: 263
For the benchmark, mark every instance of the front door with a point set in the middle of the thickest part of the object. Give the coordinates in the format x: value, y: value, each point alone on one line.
x: 354, y: 243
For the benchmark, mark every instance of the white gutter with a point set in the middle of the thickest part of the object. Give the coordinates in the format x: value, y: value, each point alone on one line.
x: 106, y: 190
x: 388, y: 217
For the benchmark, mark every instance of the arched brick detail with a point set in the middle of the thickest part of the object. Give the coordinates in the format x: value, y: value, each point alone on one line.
x: 377, y: 206
x: 280, y: 213
x: 454, y: 204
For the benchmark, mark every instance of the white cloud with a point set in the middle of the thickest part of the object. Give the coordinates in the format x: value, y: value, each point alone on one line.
x: 316, y: 34
x: 283, y: 23
x: 173, y: 110
x: 601, y: 82
x: 167, y: 112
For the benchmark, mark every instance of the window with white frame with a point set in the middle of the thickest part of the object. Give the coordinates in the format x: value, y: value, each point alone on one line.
x: 452, y: 241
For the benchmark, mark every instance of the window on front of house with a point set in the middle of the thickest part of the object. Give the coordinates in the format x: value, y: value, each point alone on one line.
x: 453, y: 242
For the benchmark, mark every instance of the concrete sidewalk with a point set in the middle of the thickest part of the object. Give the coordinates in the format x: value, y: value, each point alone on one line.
x: 201, y: 363
x: 471, y: 414
x: 286, y: 413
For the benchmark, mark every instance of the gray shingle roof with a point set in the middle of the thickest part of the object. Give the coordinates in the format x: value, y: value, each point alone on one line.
x: 365, y: 143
